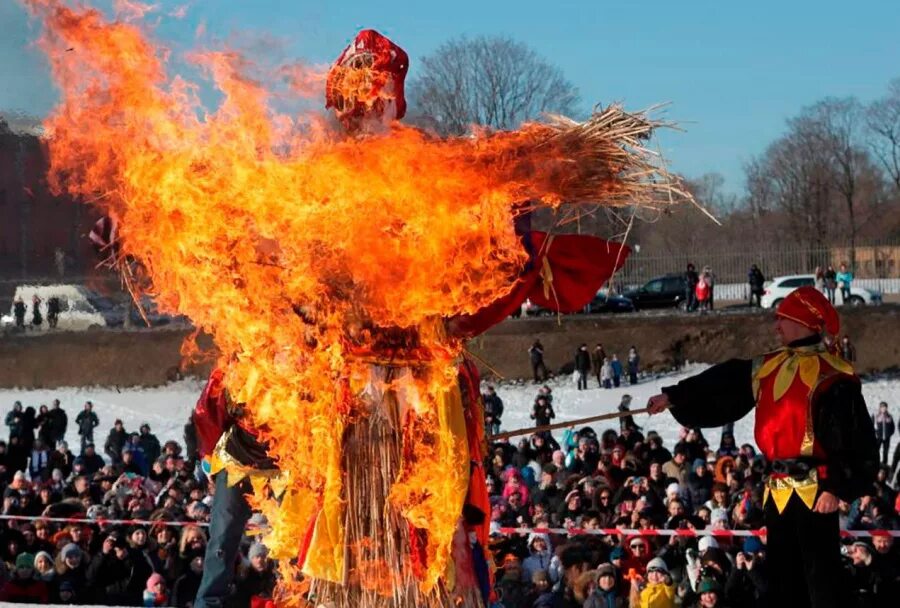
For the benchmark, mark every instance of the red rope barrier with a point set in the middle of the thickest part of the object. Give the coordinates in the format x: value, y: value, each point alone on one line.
x: 681, y: 532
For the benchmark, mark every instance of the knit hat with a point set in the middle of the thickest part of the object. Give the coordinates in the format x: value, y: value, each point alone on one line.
x: 71, y: 550
x: 606, y: 570
x: 67, y: 586
x: 154, y: 580
x: 45, y: 554
x: 699, y: 463
x: 718, y: 515
x: 709, y: 585
x: 616, y: 553
x: 25, y: 560
x: 657, y: 563
x: 257, y: 550
x: 752, y: 545
x: 707, y: 542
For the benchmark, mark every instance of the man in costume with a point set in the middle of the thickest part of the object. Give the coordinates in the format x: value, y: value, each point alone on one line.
x: 813, y: 427
x: 381, y: 445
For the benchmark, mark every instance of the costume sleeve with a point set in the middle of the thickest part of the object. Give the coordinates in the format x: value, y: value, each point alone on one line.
x: 715, y: 397
x: 847, y: 436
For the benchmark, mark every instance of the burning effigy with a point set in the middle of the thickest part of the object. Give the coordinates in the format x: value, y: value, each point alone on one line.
x: 339, y: 266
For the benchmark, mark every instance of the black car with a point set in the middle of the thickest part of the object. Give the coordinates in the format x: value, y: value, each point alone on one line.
x: 662, y: 292
x: 604, y: 302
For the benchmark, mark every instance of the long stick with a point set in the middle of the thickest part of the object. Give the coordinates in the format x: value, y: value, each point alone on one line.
x: 566, y: 425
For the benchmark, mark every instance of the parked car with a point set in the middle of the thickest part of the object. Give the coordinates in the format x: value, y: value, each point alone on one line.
x: 76, y: 311
x: 606, y: 302
x: 779, y: 287
x: 661, y: 292
x: 115, y: 312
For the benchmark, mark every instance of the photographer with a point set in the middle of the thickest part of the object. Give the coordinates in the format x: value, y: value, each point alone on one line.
x: 747, y: 587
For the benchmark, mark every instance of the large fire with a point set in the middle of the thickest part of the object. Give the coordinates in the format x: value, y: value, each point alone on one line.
x: 298, y: 250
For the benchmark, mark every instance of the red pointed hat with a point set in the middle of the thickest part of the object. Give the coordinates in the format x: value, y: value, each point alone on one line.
x: 370, y: 69
x: 810, y: 308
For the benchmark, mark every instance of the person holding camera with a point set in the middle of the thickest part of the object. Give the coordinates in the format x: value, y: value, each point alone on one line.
x: 748, y: 584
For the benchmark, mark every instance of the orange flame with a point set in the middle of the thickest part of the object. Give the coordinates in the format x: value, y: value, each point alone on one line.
x: 296, y: 248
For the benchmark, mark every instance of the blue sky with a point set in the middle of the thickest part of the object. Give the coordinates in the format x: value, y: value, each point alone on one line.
x: 733, y: 71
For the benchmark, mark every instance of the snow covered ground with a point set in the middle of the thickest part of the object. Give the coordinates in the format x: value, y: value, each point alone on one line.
x: 166, y: 409
x: 570, y: 403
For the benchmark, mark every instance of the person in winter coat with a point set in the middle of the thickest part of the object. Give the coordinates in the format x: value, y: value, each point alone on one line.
x: 616, y: 366
x: 23, y: 588
x: 185, y: 589
x: 634, y: 362
x: 71, y: 568
x: 844, y: 279
x: 536, y: 356
x: 582, y: 366
x: 540, y: 595
x: 19, y: 312
x: 830, y: 283
x: 848, y: 351
x: 37, y: 319
x: 757, y: 282
x: 710, y: 595
x: 699, y: 484
x: 691, y: 279
x: 654, y: 591
x: 87, y: 421
x: 118, y: 575
x: 149, y: 444
x: 606, y: 594
x: 53, y: 310
x: 539, y: 557
x: 155, y: 593
x: 44, y: 568
x: 493, y: 410
x: 598, y: 356
x: 702, y: 292
x: 44, y: 426
x: 115, y: 441
x: 14, y: 420
x: 59, y: 422
x: 884, y: 430
x: 542, y: 412
x: 710, y: 279
x: 626, y: 421
x: 865, y: 581
x: 606, y: 374
x: 257, y: 581
x: 38, y: 462
x: 748, y: 583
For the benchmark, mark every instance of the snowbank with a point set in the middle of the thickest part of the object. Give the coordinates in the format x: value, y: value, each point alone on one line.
x: 166, y: 409
x: 570, y: 403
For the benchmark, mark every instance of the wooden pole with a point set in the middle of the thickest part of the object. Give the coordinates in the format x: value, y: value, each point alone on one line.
x: 566, y: 425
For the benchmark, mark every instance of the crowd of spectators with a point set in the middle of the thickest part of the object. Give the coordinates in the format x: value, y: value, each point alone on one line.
x: 627, y: 479
x: 87, y: 559
x: 612, y: 478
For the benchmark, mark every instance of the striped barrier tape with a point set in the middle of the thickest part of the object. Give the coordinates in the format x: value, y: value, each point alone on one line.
x: 690, y: 533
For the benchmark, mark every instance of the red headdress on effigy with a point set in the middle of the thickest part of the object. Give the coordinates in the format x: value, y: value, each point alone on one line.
x: 369, y: 73
x: 810, y: 308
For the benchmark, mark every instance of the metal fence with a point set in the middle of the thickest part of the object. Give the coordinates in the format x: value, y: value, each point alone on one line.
x: 877, y: 265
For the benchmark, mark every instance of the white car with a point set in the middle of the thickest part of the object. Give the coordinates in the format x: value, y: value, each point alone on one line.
x: 76, y: 311
x: 779, y: 287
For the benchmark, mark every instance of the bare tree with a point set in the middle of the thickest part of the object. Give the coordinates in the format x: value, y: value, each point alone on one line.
x: 490, y: 81
x: 883, y: 120
x: 838, y: 125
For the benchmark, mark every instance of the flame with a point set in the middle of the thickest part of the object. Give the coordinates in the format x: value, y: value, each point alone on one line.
x: 321, y: 265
